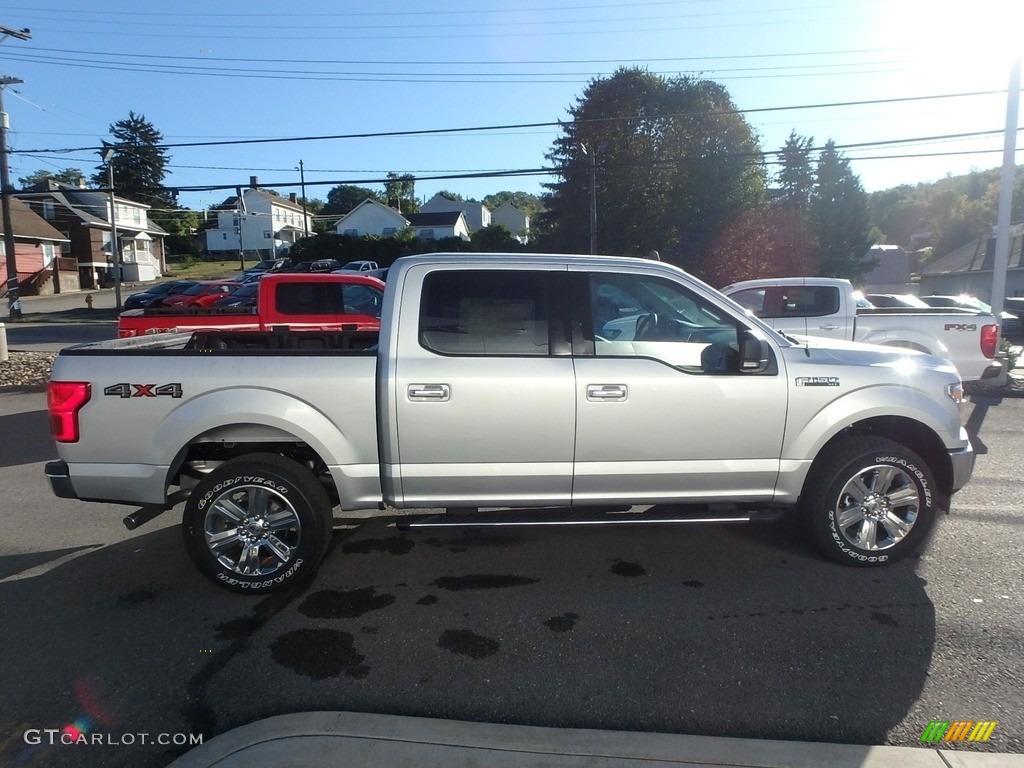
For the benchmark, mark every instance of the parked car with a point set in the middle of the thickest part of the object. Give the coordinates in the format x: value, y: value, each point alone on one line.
x: 155, y: 294
x: 480, y: 391
x: 828, y: 307
x: 1010, y: 324
x: 201, y: 294
x: 245, y: 296
x: 267, y: 265
x: 320, y: 265
x: 360, y: 266
x: 380, y: 273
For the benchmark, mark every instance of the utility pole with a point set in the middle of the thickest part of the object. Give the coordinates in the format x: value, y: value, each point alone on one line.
x: 1002, y: 254
x: 13, y: 289
x: 240, y: 212
x: 107, y: 155
x: 302, y: 181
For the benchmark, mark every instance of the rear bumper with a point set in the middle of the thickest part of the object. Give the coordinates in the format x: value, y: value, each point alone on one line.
x: 60, y: 480
x: 993, y: 370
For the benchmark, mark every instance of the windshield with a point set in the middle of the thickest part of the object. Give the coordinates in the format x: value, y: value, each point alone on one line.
x: 195, y: 290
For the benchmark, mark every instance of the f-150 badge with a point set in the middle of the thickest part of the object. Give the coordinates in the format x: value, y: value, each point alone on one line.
x: 817, y: 381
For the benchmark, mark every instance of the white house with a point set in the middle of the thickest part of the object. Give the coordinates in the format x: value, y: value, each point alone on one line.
x: 514, y: 220
x: 373, y: 218
x: 477, y: 215
x: 268, y: 224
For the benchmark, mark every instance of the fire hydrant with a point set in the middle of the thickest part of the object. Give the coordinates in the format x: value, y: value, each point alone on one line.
x: 88, y: 300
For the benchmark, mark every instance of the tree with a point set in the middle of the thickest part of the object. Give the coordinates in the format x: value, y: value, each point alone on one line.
x: 526, y: 202
x: 674, y: 163
x: 70, y: 176
x: 495, y: 238
x: 839, y: 217
x: 795, y: 178
x: 455, y: 197
x: 344, y: 197
x: 400, y: 192
x: 139, y: 162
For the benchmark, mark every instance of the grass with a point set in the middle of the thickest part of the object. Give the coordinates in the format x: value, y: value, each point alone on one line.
x: 205, y: 270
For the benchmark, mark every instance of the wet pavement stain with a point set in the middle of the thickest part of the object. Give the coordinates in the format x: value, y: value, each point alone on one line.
x: 427, y: 600
x: 884, y: 619
x: 138, y: 597
x: 481, y: 581
x: 336, y: 604
x: 237, y: 628
x: 466, y: 643
x: 319, y: 653
x: 693, y: 584
x: 622, y: 568
x: 393, y: 545
x: 563, y: 623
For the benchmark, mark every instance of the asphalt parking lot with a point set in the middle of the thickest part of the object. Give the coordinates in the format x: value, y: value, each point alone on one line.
x: 722, y: 631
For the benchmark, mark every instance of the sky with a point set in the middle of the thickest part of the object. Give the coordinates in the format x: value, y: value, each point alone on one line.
x: 910, y: 91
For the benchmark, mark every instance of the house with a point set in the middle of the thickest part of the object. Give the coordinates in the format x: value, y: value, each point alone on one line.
x: 512, y: 219
x: 968, y: 269
x: 267, y: 226
x: 439, y: 225
x: 83, y: 217
x: 477, y: 214
x: 892, y: 272
x: 37, y: 248
x: 373, y: 218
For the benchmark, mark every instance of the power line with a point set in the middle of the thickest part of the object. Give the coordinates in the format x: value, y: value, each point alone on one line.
x: 545, y: 124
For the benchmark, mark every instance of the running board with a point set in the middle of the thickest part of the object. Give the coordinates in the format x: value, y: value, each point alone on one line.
x: 563, y: 517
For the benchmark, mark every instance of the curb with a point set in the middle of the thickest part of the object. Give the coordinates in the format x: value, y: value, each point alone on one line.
x: 330, y: 739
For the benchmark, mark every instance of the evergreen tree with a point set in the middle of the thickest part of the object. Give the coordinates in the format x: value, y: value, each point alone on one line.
x: 139, y: 162
x: 839, y: 217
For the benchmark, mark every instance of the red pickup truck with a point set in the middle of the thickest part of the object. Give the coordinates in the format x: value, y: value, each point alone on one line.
x: 313, y: 302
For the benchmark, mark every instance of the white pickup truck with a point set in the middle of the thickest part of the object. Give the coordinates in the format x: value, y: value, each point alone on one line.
x: 577, y: 386
x: 830, y: 308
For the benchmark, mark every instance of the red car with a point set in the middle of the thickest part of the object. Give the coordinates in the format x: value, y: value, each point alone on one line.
x: 202, y: 294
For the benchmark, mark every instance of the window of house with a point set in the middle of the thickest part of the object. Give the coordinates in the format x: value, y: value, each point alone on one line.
x: 643, y: 316
x: 484, y: 313
x: 389, y: 231
x: 267, y: 234
x: 427, y: 234
x: 48, y: 209
x: 351, y: 232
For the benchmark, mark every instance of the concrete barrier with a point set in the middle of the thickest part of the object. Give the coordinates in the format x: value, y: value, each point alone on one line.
x: 3, y: 343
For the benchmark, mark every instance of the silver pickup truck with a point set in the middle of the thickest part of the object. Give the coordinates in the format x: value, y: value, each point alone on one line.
x: 581, y: 387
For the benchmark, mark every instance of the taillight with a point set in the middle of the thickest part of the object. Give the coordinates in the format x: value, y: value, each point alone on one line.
x: 126, y: 333
x: 64, y: 399
x: 989, y: 340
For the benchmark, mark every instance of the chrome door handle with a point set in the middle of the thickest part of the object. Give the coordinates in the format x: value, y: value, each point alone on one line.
x: 602, y: 392
x: 435, y: 392
x: 829, y: 327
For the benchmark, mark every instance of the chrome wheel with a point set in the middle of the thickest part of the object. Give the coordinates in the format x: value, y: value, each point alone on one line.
x: 877, y: 507
x: 252, y: 530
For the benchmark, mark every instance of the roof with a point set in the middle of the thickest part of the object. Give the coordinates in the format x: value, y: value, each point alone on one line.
x: 978, y: 256
x: 29, y: 225
x: 88, y: 205
x: 438, y: 219
x: 231, y: 203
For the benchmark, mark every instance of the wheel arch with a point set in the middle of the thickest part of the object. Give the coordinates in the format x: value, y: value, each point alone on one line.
x: 907, y: 432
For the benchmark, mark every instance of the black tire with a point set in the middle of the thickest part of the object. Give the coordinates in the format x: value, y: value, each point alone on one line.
x: 257, y: 523
x: 869, y: 501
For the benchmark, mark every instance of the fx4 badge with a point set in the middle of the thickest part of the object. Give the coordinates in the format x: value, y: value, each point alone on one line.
x: 143, y: 390
x: 817, y: 381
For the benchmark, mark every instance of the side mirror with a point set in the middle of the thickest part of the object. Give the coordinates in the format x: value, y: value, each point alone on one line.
x: 755, y: 354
